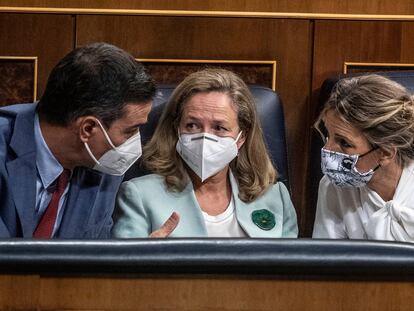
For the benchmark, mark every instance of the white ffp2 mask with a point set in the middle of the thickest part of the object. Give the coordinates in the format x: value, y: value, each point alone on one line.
x: 206, y: 154
x: 119, y: 159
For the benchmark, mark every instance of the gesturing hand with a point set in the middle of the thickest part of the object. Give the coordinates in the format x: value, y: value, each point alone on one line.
x: 167, y: 228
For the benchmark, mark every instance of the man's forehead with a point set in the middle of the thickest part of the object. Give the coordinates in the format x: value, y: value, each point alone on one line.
x: 137, y: 110
x: 134, y: 115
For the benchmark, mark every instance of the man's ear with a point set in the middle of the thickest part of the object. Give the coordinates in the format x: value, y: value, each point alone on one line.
x: 387, y: 155
x: 87, y: 127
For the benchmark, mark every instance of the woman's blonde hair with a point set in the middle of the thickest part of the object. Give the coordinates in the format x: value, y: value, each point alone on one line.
x: 252, y: 168
x: 381, y: 109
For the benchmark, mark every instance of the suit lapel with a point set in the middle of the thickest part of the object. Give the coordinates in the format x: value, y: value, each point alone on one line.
x: 84, y: 187
x: 22, y: 170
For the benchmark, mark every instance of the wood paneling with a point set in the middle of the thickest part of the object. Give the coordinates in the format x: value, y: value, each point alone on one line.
x: 286, y: 41
x: 49, y: 37
x: 337, y: 42
x: 165, y: 72
x: 201, y: 293
x: 302, y: 6
x: 19, y: 292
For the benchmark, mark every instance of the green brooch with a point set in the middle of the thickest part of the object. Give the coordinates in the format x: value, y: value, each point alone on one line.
x: 264, y: 219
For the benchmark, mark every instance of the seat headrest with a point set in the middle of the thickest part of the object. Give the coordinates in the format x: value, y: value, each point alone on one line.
x: 270, y: 111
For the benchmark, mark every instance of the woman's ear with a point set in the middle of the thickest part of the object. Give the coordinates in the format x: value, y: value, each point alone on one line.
x: 387, y: 155
x: 241, y: 140
x: 87, y: 127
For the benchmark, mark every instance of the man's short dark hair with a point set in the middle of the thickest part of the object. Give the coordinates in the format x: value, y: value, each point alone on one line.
x: 97, y: 79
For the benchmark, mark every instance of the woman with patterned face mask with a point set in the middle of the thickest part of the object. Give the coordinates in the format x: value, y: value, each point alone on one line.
x: 368, y: 162
x: 212, y: 173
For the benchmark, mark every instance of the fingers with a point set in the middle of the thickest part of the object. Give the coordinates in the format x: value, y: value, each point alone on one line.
x: 167, y: 228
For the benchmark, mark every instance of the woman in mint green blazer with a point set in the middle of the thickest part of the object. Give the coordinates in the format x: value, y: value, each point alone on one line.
x: 212, y: 175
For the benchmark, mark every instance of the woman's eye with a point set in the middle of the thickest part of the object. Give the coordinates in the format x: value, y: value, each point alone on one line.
x: 345, y: 144
x: 220, y: 128
x: 191, y: 126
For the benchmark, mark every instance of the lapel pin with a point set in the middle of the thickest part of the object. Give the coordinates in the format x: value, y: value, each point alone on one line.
x: 264, y: 219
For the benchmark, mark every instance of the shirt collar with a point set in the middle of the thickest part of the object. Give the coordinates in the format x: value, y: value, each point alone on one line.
x: 48, y: 166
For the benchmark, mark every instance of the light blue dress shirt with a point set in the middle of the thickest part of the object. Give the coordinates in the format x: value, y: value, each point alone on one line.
x: 48, y: 170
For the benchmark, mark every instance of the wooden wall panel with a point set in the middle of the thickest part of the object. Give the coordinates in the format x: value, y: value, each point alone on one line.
x: 49, y: 37
x: 19, y: 292
x: 337, y: 42
x: 286, y: 41
x: 173, y: 71
x: 302, y: 6
x: 201, y: 293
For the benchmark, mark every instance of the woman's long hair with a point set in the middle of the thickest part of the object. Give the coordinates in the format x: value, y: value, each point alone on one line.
x: 252, y: 167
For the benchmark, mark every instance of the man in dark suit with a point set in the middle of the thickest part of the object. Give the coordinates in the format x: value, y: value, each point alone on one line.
x: 62, y: 159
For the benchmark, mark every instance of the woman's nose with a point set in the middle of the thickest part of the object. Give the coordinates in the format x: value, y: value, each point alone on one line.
x: 328, y: 145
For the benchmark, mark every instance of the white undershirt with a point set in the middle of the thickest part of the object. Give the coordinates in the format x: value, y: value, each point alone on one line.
x: 224, y: 225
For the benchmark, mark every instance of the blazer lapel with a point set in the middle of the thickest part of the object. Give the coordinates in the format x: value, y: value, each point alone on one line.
x: 193, y: 213
x: 22, y: 170
x: 244, y: 213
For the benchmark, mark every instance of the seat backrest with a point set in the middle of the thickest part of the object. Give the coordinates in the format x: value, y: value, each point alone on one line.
x: 403, y: 77
x: 270, y: 111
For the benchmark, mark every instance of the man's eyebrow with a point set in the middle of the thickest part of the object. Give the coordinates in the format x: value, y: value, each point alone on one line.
x: 134, y: 126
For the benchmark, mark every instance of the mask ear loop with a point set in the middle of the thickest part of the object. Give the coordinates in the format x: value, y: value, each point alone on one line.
x: 106, y: 134
x: 88, y: 149
x: 235, y: 142
x: 369, y: 151
x: 178, y: 135
x: 373, y: 149
x: 238, y: 136
x: 377, y: 167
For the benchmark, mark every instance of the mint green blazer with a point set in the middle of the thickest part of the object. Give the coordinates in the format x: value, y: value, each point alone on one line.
x: 144, y: 204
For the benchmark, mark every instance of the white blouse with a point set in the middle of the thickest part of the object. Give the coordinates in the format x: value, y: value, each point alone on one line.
x: 360, y: 213
x: 224, y: 224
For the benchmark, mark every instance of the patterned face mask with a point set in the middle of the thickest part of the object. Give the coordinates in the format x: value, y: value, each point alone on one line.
x: 341, y: 168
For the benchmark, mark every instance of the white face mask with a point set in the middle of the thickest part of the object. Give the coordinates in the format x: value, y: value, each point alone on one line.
x: 119, y: 159
x: 207, y: 154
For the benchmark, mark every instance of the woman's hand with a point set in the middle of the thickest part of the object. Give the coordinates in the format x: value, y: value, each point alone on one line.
x: 167, y: 228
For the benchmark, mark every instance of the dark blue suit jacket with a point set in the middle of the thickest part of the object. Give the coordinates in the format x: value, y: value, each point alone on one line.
x: 91, y: 196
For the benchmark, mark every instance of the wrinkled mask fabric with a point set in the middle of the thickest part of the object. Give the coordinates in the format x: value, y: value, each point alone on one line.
x: 341, y: 169
x: 117, y: 160
x: 206, y: 154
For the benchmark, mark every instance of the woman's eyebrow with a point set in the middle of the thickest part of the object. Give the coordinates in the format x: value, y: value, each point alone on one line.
x: 345, y: 138
x: 192, y: 118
